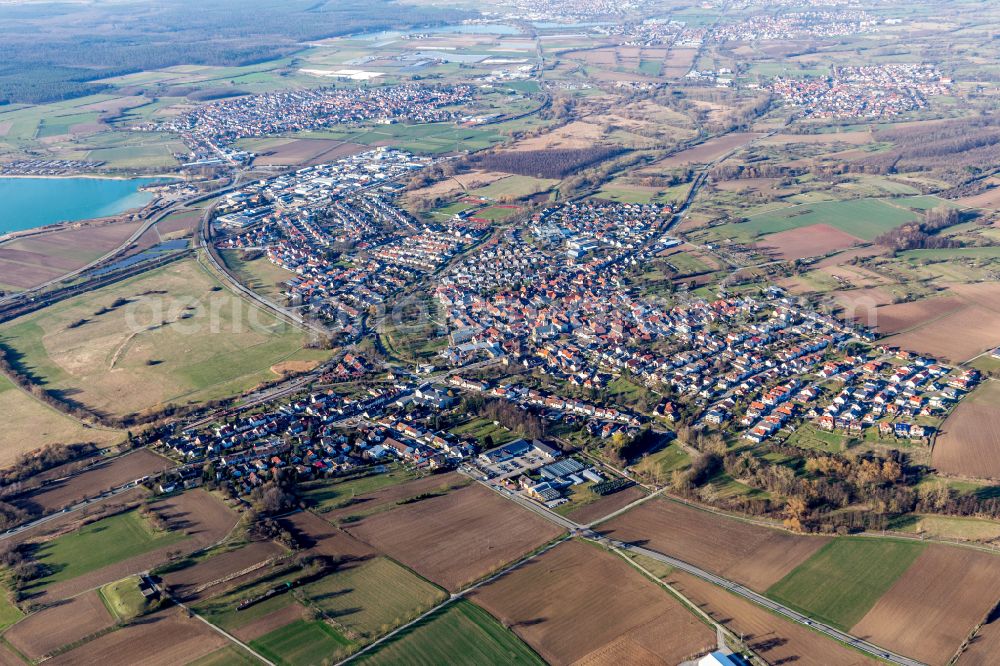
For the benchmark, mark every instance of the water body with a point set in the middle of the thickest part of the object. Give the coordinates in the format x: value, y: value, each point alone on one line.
x: 26, y: 203
x: 151, y: 253
x: 454, y: 28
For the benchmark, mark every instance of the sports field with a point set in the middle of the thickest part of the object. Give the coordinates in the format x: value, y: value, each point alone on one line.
x: 173, y: 334
x: 461, y: 633
x: 844, y: 579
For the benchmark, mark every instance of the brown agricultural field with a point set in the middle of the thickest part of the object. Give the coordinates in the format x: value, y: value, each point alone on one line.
x: 307, y: 152
x: 860, y: 305
x: 706, y: 152
x: 121, y: 470
x: 164, y: 639
x: 271, y: 621
x: 184, y: 583
x: 32, y: 260
x: 858, y: 138
x: 984, y: 646
x: 578, y: 603
x: 969, y: 442
x: 576, y: 134
x: 322, y: 538
x: 811, y: 241
x: 774, y: 638
x: 201, y: 516
x: 930, y: 610
x: 39, y: 634
x: 990, y: 199
x: 753, y: 555
x: 605, y: 506
x: 370, y: 502
x: 678, y: 62
x: 456, y: 184
x: 906, y: 316
x: 956, y: 337
x: 457, y: 538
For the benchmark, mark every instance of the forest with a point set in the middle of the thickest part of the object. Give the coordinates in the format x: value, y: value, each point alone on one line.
x: 55, y: 51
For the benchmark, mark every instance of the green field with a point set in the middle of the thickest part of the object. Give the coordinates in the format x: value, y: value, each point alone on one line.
x: 329, y: 495
x: 844, y: 579
x: 461, y: 633
x: 373, y: 598
x: 99, y: 544
x: 9, y: 613
x: 258, y: 274
x: 302, y: 643
x: 123, y: 598
x: 515, y: 186
x: 432, y: 138
x: 221, y: 610
x: 660, y: 464
x: 864, y: 218
x: 177, y: 336
x: 31, y: 424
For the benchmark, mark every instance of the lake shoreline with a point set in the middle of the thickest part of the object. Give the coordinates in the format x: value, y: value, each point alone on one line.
x: 34, y: 205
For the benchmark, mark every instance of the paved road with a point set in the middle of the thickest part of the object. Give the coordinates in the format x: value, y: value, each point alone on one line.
x: 735, y: 588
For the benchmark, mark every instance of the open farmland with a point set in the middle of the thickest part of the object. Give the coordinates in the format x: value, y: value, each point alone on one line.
x: 374, y: 597
x: 30, y: 424
x: 460, y: 634
x: 812, y: 241
x: 861, y: 218
x: 456, y: 538
x: 39, y: 634
x: 175, y: 336
x: 752, y: 555
x: 302, y: 643
x: 305, y: 152
x: 164, y: 639
x: 32, y: 260
x: 969, y: 442
x: 322, y: 538
x: 932, y: 607
x: 125, y: 544
x: 972, y: 309
x: 93, y: 482
x: 186, y: 582
x: 370, y: 494
x: 842, y: 581
x: 774, y: 638
x: 580, y: 603
x: 605, y: 505
x: 709, y: 151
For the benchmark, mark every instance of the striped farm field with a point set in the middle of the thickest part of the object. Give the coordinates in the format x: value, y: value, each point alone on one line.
x: 845, y: 578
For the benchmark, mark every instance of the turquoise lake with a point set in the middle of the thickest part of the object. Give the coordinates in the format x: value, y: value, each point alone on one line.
x: 26, y: 203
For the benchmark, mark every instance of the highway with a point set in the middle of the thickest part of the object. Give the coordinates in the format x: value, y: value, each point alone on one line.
x: 587, y: 533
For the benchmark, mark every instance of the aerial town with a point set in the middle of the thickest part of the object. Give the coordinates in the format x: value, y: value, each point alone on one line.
x: 563, y: 332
